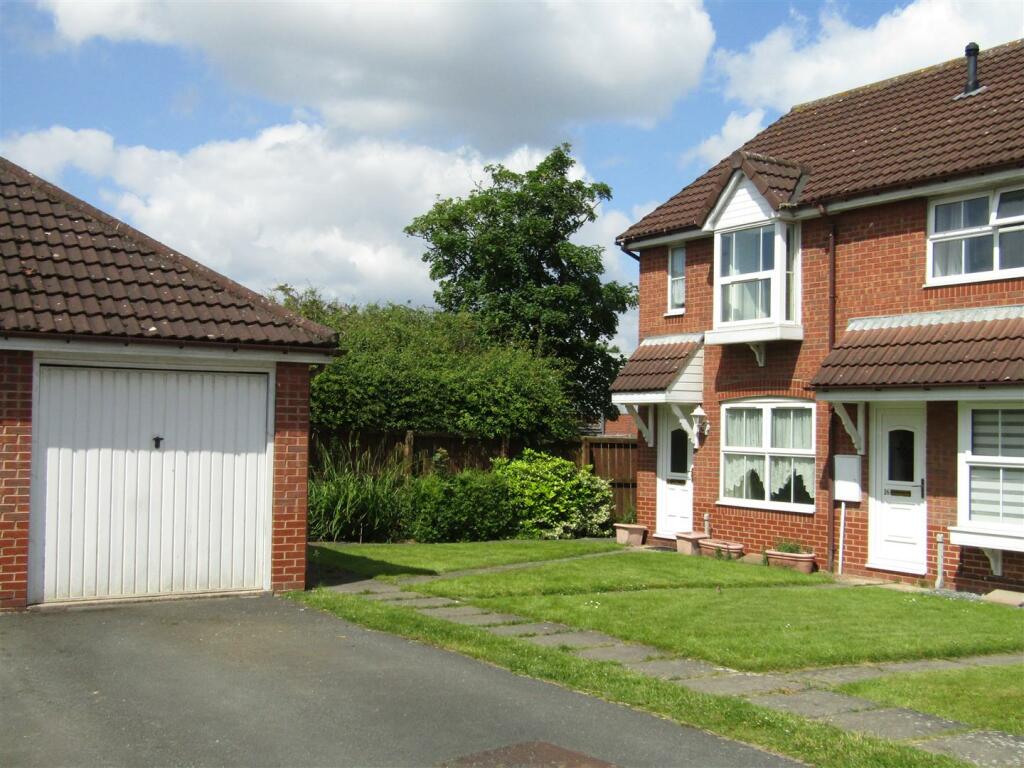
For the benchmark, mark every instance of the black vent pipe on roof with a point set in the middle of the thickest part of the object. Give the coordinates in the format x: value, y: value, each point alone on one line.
x: 971, y: 52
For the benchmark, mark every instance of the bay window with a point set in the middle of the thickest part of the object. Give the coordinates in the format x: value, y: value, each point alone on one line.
x: 976, y: 237
x: 768, y: 455
x: 677, y: 280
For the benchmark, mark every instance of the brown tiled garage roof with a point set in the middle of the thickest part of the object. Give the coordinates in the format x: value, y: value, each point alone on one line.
x: 68, y: 269
x: 933, y: 349
x: 652, y: 367
x: 894, y: 134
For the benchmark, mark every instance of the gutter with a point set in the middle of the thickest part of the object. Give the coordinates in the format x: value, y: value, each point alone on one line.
x: 625, y: 250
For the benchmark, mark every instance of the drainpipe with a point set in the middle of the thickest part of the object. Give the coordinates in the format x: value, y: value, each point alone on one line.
x: 831, y: 533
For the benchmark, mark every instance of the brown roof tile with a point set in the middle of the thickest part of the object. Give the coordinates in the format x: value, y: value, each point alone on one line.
x: 68, y: 268
x: 653, y: 367
x: 898, y: 133
x: 967, y: 352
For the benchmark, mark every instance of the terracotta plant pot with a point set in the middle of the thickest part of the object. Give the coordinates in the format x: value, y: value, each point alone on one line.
x: 798, y: 561
x: 633, y: 535
x: 688, y: 543
x: 730, y: 550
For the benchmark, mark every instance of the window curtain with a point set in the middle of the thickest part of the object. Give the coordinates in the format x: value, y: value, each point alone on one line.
x: 743, y: 427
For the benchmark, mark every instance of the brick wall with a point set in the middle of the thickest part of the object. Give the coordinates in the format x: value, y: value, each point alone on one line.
x: 291, y: 460
x: 880, y: 269
x: 15, y: 475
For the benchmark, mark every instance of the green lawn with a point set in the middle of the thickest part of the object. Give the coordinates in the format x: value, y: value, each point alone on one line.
x: 812, y: 742
x: 390, y: 560
x: 758, y: 628
x: 632, y: 571
x: 985, y: 697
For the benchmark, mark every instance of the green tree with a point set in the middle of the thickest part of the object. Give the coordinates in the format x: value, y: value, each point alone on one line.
x: 504, y: 254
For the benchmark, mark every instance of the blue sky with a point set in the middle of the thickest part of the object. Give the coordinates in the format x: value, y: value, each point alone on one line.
x: 292, y: 142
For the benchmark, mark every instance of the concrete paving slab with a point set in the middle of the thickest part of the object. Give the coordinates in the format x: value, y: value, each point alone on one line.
x: 813, y: 703
x: 672, y: 669
x: 536, y: 628
x: 485, y: 619
x: 922, y: 665
x: 988, y: 748
x: 620, y: 653
x: 393, y: 597
x: 893, y: 723
x: 450, y: 610
x: 572, y: 639
x: 366, y: 585
x: 1005, y: 597
x: 837, y: 675
x: 993, y: 660
x: 740, y: 684
x: 428, y: 602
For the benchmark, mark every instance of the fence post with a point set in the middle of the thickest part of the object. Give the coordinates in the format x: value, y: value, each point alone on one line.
x: 407, y: 446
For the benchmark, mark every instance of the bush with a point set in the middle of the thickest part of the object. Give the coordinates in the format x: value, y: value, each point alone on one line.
x: 472, y: 505
x: 553, y: 499
x: 355, y: 495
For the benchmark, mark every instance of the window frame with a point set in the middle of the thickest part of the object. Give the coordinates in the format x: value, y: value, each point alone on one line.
x: 966, y: 460
x: 670, y: 278
x: 767, y: 405
x: 784, y: 230
x: 688, y: 450
x: 993, y: 227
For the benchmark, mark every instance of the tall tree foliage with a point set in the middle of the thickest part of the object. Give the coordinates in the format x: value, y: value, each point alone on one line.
x: 504, y: 254
x: 406, y: 368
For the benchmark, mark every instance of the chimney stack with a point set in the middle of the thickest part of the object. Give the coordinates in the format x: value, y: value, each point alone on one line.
x: 971, y: 52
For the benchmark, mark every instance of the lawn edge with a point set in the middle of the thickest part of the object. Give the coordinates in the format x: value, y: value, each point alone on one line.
x: 783, y: 734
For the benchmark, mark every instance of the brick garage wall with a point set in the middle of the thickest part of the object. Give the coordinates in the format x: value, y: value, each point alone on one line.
x: 15, y: 475
x: 291, y: 470
x: 880, y: 269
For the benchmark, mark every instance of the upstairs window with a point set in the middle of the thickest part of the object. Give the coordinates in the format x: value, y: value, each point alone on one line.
x: 978, y: 237
x: 677, y: 279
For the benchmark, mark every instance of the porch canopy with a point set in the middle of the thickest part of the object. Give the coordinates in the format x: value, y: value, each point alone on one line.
x: 961, y: 354
x: 663, y: 370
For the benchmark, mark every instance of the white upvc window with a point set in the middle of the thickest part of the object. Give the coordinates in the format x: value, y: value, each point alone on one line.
x: 768, y: 455
x: 976, y: 237
x: 757, y: 275
x: 991, y: 467
x: 676, y: 280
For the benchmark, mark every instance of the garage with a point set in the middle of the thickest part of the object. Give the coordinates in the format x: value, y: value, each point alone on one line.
x: 154, y: 414
x: 151, y: 482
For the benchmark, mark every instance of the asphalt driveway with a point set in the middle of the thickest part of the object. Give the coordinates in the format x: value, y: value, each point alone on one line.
x: 264, y: 681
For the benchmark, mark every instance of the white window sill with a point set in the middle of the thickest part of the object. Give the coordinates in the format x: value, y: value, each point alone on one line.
x: 768, y: 506
x: 750, y: 333
x: 1005, y: 539
x: 675, y: 312
x: 977, y: 277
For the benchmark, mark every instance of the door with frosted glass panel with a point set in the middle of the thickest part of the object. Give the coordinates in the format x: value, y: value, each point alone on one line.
x: 675, y: 484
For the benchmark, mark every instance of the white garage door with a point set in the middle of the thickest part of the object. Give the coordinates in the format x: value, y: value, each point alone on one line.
x: 148, y: 482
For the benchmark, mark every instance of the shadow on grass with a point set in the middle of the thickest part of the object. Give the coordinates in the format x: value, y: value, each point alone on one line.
x: 328, y: 567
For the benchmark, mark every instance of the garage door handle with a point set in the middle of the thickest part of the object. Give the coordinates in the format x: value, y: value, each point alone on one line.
x: 156, y: 441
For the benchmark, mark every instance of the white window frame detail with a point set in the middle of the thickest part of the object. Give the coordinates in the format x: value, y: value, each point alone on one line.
x: 988, y: 534
x: 735, y: 329
x: 766, y: 406
x: 994, y: 227
x: 671, y: 278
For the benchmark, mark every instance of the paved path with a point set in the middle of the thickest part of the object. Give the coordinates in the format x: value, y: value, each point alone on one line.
x: 264, y: 681
x: 801, y: 693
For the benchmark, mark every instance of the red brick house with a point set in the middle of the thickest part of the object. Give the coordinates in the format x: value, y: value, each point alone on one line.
x: 154, y: 415
x: 836, y: 311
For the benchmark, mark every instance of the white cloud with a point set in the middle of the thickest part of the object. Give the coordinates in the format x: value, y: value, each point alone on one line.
x: 790, y: 65
x: 293, y: 205
x: 736, y: 130
x: 492, y: 73
x: 288, y: 205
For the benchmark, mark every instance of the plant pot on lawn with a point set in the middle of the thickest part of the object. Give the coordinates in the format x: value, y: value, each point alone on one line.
x: 798, y: 561
x: 729, y: 550
x: 627, y: 533
x: 688, y: 543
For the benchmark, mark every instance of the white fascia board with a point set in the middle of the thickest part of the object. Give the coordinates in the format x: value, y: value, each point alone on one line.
x: 678, y: 237
x: 650, y: 398
x: 722, y: 201
x: 934, y: 394
x: 131, y: 350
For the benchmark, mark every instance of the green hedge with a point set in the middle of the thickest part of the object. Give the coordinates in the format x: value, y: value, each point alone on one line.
x: 535, y: 496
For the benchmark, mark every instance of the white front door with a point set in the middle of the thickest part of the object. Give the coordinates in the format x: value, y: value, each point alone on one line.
x: 897, y: 513
x: 148, y: 482
x: 675, y: 487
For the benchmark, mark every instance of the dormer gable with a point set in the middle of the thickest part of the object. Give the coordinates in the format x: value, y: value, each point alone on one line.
x: 759, y: 188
